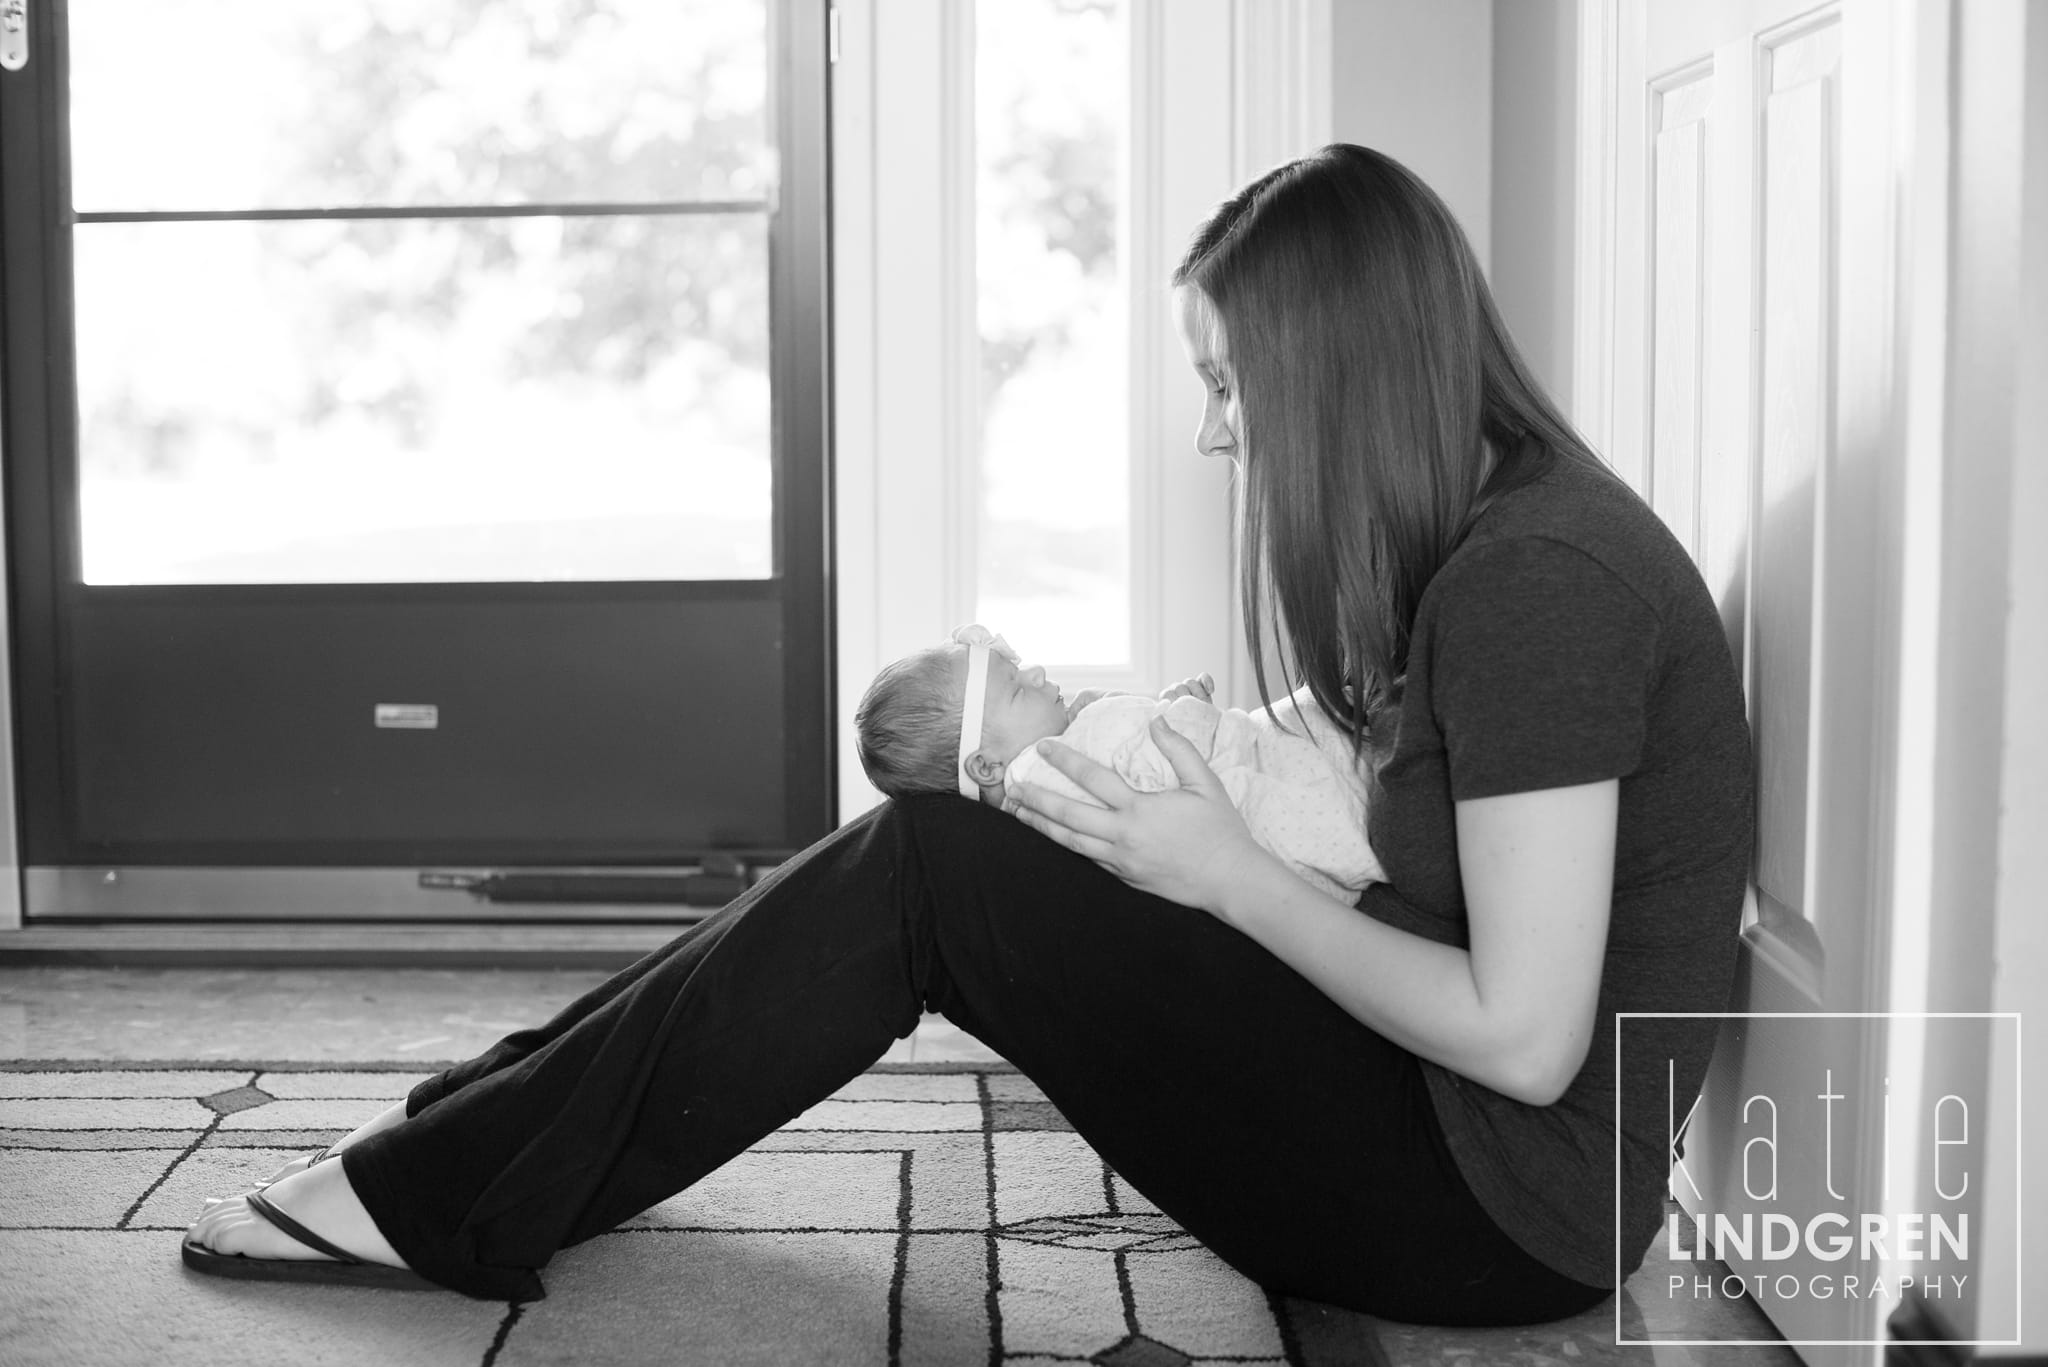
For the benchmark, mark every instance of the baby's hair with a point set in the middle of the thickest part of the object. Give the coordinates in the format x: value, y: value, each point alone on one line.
x: 908, y: 725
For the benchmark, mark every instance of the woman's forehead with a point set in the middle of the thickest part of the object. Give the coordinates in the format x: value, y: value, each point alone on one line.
x: 1199, y: 324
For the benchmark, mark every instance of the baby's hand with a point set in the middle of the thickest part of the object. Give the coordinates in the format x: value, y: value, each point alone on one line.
x: 1201, y: 686
x: 1083, y: 699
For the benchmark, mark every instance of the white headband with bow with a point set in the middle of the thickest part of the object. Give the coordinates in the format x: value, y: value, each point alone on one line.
x: 979, y: 641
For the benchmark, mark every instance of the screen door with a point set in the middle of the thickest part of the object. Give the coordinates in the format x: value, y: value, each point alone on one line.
x: 416, y: 442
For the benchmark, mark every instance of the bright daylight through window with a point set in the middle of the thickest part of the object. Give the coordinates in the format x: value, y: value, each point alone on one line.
x: 1051, y: 231
x: 422, y: 290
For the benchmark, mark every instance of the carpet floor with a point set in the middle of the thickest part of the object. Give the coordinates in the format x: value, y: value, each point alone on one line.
x: 923, y: 1215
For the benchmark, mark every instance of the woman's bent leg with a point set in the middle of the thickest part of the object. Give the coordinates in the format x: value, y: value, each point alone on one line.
x: 1296, y: 1143
x: 520, y: 1043
x: 658, y: 1077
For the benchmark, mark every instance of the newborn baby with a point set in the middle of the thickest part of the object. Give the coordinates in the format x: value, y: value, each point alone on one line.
x: 965, y: 717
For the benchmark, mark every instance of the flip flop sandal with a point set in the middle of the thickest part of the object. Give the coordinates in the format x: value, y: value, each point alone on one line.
x: 321, y: 1157
x: 346, y: 1269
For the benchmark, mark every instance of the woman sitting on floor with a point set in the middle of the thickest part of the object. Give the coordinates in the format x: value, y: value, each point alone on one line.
x: 1407, y: 1106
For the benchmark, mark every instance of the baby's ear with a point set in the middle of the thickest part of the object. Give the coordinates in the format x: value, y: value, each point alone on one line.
x: 983, y: 769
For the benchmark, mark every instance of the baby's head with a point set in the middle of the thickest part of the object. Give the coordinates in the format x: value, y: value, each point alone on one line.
x: 914, y: 722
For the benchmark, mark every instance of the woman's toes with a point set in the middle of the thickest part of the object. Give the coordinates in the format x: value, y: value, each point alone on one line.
x: 230, y: 1226
x: 203, y: 1229
x: 215, y: 1221
x: 320, y: 1199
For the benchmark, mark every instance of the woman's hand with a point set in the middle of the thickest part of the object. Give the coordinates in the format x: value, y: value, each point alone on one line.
x: 1187, y: 844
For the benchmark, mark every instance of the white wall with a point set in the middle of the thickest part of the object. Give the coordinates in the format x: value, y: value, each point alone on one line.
x: 1414, y: 79
x: 1535, y: 55
x: 1987, y: 871
x: 1478, y: 97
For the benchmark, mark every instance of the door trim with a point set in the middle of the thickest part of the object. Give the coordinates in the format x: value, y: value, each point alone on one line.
x: 1593, y: 233
x: 12, y: 897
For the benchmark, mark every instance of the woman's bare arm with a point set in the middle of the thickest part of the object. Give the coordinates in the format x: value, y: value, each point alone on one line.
x: 1513, y: 1012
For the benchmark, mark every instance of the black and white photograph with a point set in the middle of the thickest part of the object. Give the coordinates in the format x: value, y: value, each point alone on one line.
x: 998, y: 683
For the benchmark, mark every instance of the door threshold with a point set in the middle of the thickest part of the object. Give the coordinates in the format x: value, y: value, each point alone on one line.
x: 471, y: 945
x: 314, y: 895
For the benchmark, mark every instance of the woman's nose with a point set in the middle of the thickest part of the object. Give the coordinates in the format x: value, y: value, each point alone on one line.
x: 1215, y: 438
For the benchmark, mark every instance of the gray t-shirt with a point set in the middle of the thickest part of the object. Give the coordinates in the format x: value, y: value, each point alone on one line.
x: 1567, y: 640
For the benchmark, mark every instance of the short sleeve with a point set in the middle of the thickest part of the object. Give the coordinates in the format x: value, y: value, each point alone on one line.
x: 1540, y: 674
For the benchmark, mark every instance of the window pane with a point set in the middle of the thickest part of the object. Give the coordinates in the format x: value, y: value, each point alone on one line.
x: 1051, y: 89
x: 239, y: 104
x: 424, y: 400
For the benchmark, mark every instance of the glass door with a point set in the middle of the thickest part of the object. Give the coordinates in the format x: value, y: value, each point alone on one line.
x: 416, y: 439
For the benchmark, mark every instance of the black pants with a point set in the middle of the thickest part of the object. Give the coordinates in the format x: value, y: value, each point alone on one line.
x: 1294, y: 1142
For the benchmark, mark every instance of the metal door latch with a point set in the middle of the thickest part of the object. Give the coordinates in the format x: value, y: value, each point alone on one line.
x: 13, y: 34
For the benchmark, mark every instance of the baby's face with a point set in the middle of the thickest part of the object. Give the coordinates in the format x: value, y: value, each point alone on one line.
x: 1021, y: 706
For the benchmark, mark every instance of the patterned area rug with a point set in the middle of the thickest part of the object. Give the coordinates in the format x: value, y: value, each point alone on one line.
x: 927, y: 1214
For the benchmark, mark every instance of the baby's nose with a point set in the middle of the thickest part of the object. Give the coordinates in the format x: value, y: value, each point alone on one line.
x: 1035, y: 675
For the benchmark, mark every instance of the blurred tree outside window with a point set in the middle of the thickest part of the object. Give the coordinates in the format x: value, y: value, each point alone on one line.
x: 1052, y: 92
x: 422, y: 290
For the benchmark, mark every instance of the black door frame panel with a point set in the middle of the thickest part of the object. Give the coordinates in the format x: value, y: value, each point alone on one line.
x: 49, y: 600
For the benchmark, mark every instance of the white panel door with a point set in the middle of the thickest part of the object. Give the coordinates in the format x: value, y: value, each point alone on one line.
x: 1750, y: 371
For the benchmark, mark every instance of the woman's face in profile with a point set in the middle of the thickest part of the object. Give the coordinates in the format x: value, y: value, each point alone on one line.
x: 1201, y: 335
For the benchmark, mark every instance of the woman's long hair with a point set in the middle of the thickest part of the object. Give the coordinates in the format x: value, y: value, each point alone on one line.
x: 1382, y: 408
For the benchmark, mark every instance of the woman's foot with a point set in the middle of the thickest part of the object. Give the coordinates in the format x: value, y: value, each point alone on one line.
x: 297, y: 1165
x: 385, y: 1119
x: 318, y: 1197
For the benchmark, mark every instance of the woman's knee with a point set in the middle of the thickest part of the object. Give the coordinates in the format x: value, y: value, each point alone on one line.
x: 948, y: 829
